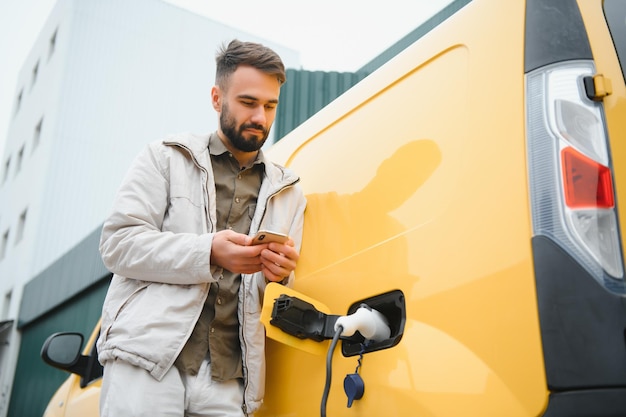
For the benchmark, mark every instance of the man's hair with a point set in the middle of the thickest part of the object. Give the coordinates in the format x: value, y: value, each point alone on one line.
x: 229, y: 58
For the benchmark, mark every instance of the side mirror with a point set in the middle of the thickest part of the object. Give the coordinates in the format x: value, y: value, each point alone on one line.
x: 63, y: 351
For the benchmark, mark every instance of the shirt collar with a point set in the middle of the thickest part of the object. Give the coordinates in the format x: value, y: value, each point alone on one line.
x: 217, y: 147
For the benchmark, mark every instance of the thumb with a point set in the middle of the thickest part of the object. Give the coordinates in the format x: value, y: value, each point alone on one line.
x: 237, y: 238
x: 241, y: 239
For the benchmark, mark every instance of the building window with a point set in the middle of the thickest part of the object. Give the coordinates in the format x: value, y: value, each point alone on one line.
x: 18, y: 101
x: 7, y: 169
x: 20, y: 159
x: 35, y: 73
x: 21, y: 225
x: 53, y: 44
x: 4, y: 244
x: 37, y: 134
x: 6, y: 308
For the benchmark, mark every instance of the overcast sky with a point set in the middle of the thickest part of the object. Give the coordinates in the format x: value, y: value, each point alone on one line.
x: 331, y: 35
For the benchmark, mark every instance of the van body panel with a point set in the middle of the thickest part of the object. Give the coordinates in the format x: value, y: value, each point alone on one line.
x: 554, y: 33
x: 58, y: 403
x: 81, y: 402
x: 603, y: 402
x: 583, y: 324
x: 415, y: 186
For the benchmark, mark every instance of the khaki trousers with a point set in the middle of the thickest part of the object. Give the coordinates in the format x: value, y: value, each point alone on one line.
x: 130, y: 391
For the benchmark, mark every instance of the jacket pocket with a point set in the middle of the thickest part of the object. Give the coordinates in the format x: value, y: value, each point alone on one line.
x: 125, y: 291
x: 185, y: 211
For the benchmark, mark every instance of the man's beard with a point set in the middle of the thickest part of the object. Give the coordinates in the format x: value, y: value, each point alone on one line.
x: 235, y: 136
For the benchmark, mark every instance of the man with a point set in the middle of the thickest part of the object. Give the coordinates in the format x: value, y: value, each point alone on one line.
x: 181, y: 334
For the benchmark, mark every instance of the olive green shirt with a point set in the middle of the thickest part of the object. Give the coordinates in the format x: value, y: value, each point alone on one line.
x: 217, y: 329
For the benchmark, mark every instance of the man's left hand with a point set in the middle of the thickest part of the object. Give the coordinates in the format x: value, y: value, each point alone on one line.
x: 279, y: 260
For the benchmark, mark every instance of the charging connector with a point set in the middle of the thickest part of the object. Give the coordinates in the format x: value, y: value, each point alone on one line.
x: 369, y: 322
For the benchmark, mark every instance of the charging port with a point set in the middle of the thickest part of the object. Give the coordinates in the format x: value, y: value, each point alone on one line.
x: 302, y: 320
x: 392, y: 306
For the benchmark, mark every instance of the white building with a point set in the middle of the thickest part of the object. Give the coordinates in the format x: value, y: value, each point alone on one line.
x: 102, y: 80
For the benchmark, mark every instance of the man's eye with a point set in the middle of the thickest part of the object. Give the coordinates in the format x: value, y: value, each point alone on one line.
x: 248, y: 103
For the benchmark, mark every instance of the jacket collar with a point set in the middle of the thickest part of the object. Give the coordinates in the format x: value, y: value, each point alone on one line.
x: 198, y: 145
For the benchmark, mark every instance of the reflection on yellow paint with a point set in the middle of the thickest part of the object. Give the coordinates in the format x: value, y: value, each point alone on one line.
x: 362, y: 219
x: 429, y: 368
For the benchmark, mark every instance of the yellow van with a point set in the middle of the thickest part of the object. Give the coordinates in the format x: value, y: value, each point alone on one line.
x: 469, y: 193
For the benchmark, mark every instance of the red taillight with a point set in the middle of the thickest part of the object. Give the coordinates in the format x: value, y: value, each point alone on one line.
x: 573, y: 199
x: 587, y: 183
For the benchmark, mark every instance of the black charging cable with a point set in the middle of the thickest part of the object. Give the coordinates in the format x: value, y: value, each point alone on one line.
x: 329, y: 369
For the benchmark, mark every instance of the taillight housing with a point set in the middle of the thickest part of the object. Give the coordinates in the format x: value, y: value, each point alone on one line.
x: 570, y: 176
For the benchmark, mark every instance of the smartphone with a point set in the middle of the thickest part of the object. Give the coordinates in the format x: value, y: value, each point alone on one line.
x: 265, y: 236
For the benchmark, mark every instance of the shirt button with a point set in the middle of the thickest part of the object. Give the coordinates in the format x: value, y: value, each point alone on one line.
x: 219, y: 301
x: 237, y: 200
x: 212, y: 329
x: 239, y: 176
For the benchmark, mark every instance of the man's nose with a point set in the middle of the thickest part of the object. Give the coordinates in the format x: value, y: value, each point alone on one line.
x: 258, y: 115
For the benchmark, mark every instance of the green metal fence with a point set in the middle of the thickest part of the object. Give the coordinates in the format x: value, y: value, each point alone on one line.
x: 35, y: 381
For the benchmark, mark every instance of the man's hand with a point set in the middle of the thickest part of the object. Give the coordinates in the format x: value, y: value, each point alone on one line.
x: 278, y: 260
x: 232, y: 251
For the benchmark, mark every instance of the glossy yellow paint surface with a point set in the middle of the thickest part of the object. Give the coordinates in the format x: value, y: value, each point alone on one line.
x: 416, y: 180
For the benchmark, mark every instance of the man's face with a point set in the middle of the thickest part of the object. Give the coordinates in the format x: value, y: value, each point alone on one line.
x: 247, y: 108
x: 240, y: 136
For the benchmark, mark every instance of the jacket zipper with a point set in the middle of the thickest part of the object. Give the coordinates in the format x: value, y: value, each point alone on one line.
x: 244, y: 301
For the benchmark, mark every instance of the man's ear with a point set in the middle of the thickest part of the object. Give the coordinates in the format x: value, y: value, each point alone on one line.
x: 216, y: 98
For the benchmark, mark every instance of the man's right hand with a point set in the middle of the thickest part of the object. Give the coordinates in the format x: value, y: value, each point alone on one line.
x: 232, y: 251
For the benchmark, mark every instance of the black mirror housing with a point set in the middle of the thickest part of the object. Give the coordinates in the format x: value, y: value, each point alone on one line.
x: 64, y: 351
